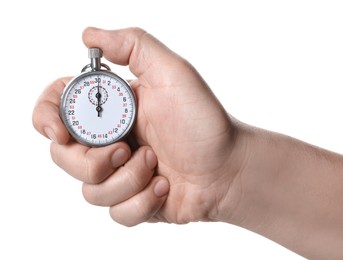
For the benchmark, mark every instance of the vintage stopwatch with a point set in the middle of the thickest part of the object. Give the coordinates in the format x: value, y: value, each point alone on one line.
x: 98, y: 107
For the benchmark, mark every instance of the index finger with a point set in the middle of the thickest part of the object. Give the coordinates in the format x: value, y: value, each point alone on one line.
x: 45, y: 116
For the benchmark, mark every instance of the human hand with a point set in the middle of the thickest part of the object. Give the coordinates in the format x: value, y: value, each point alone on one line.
x: 181, y: 127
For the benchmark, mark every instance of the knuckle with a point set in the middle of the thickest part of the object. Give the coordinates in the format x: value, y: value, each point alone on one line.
x: 91, y: 194
x: 137, y: 180
x: 137, y: 211
x: 144, y: 209
x: 92, y: 169
x: 136, y: 31
x: 54, y: 154
x: 39, y: 116
x: 119, y: 217
x: 35, y: 120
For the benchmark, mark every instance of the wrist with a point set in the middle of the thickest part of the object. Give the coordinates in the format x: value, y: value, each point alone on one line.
x: 257, y: 159
x: 255, y: 193
x: 284, y: 190
x: 229, y: 189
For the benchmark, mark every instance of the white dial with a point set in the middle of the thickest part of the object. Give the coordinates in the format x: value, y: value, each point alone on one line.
x: 98, y: 108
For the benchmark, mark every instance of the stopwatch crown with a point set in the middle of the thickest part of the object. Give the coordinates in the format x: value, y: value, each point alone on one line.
x: 94, y: 53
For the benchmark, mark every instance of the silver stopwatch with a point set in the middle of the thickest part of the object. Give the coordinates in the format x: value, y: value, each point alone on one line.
x: 98, y: 107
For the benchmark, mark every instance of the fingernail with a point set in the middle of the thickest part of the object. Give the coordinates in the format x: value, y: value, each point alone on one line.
x: 161, y: 188
x: 119, y: 157
x: 50, y: 133
x: 150, y: 159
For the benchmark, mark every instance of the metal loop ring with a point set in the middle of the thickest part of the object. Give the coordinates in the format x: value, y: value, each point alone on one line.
x: 88, y: 67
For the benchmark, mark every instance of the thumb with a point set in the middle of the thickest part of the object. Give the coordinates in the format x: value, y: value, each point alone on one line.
x: 132, y: 46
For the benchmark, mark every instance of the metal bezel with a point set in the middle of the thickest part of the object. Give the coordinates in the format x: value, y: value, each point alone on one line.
x: 70, y: 86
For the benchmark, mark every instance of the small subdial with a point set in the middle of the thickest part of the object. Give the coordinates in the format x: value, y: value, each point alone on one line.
x: 98, y: 95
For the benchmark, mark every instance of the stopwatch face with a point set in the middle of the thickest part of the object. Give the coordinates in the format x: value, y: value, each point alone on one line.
x: 98, y: 108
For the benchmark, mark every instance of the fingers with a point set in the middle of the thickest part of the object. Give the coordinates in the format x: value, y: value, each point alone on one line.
x: 132, y: 193
x: 90, y: 165
x: 125, y: 182
x: 142, y: 206
x: 132, y: 46
x: 45, y: 117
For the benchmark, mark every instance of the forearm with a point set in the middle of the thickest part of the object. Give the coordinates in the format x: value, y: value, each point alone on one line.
x: 290, y: 192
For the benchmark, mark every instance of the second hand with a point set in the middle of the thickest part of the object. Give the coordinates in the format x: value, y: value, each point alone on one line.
x: 98, y: 97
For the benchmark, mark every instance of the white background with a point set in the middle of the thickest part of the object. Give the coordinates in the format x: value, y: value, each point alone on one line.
x: 273, y: 64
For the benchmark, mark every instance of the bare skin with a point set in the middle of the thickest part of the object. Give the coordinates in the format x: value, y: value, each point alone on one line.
x: 186, y: 170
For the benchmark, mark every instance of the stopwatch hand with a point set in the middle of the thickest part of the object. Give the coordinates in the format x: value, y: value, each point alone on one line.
x: 98, y: 109
x: 98, y: 97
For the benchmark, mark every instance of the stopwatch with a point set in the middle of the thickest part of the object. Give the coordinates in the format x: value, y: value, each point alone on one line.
x: 98, y: 107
